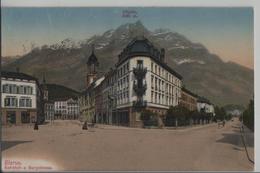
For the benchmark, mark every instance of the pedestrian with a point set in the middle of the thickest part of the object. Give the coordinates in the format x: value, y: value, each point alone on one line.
x: 85, y: 126
x: 36, y: 126
x: 224, y: 123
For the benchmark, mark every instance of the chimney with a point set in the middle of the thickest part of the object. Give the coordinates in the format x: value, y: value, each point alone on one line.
x: 162, y: 55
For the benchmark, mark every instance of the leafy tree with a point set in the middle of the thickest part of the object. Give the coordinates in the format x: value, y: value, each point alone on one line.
x: 220, y: 113
x: 248, y: 115
x: 149, y: 118
x: 178, y: 113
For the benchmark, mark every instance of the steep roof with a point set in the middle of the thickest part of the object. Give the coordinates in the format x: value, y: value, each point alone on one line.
x: 141, y: 46
x: 92, y: 59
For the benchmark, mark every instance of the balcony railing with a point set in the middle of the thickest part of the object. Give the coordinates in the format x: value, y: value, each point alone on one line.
x: 139, y: 88
x: 139, y: 104
x: 140, y: 72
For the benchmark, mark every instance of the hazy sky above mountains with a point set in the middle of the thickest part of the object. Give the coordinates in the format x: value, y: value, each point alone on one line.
x: 227, y: 32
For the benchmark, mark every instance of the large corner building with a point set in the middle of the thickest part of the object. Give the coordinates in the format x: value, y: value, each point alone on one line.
x: 141, y: 80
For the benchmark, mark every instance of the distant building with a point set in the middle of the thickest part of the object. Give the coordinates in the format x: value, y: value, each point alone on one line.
x: 188, y: 99
x: 204, y: 105
x: 66, y: 108
x: 60, y: 102
x: 235, y: 112
x: 21, y: 99
x: 48, y: 104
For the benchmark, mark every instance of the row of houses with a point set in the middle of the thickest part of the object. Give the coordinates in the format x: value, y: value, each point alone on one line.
x: 24, y: 100
x: 141, y: 79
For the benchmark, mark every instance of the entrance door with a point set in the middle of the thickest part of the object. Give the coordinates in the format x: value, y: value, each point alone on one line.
x: 11, y: 117
x: 25, y: 117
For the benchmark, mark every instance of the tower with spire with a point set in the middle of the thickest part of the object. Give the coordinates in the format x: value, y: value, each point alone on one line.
x: 92, y: 65
x: 45, y: 89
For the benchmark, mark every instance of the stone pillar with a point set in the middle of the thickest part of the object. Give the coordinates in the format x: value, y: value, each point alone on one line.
x: 33, y: 116
x: 18, y: 117
x: 4, y: 117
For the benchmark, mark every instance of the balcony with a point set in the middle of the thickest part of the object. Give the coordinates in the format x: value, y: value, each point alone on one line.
x: 139, y: 104
x: 139, y: 88
x: 140, y: 72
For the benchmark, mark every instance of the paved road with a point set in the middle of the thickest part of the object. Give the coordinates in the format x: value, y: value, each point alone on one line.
x: 68, y: 147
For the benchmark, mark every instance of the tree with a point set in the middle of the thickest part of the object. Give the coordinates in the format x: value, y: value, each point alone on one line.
x: 220, y: 113
x: 149, y: 118
x: 248, y: 115
x: 177, y: 115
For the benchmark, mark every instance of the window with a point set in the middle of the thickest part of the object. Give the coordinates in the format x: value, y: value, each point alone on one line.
x: 25, y: 117
x: 162, y: 86
x: 155, y: 83
x: 159, y: 85
x: 13, y: 89
x: 139, y: 63
x: 155, y: 69
x: 11, y: 101
x: 152, y: 66
x: 25, y: 102
x: 152, y: 81
x: 5, y: 88
x: 152, y: 97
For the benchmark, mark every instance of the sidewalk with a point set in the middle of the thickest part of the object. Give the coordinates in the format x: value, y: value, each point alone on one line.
x: 249, y: 142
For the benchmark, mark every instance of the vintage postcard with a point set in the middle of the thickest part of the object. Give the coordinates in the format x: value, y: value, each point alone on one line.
x: 127, y: 89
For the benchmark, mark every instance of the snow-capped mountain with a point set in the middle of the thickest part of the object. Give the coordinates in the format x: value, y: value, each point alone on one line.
x: 203, y: 73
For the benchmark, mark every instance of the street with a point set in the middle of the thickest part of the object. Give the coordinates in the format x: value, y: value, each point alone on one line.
x: 67, y: 147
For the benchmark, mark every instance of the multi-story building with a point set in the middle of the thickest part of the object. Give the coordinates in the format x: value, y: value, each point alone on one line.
x: 144, y: 81
x: 89, y: 102
x: 106, y: 99
x: 21, y: 99
x: 188, y: 99
x: 66, y: 108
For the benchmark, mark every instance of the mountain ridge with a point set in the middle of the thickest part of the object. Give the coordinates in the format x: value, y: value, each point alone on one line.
x: 60, y: 62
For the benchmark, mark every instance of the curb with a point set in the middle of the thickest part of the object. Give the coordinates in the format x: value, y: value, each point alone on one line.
x: 244, y: 143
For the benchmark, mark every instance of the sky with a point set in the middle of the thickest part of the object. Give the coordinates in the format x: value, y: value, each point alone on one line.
x: 227, y: 32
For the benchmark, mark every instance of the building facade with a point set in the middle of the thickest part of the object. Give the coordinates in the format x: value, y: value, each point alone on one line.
x: 66, y: 109
x: 48, y: 104
x: 141, y: 80
x: 21, y: 99
x: 188, y: 99
x: 204, y: 105
x: 144, y: 81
